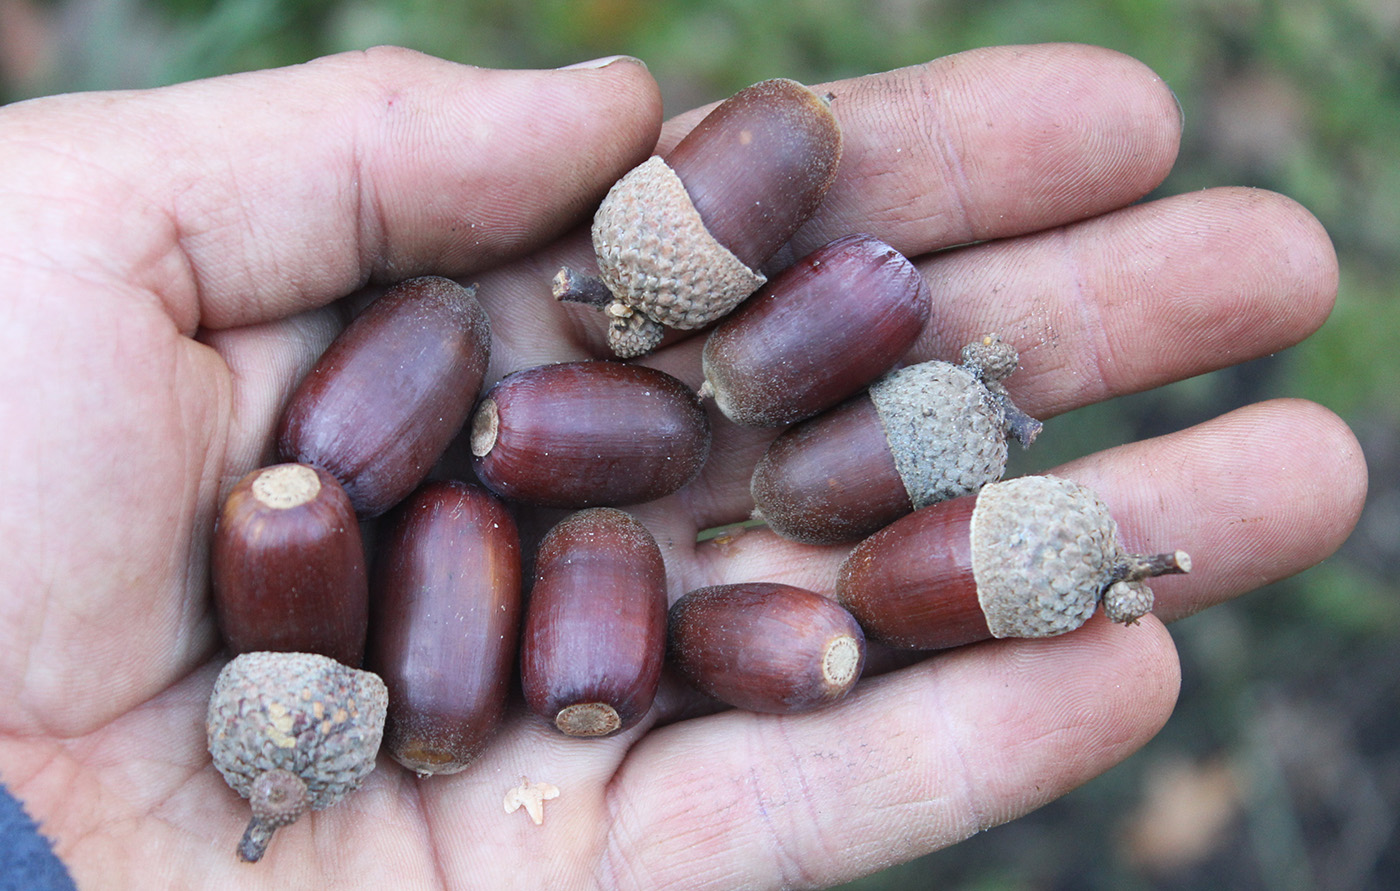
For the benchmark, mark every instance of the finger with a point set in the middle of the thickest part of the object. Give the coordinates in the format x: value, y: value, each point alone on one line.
x: 1253, y: 496
x: 1120, y: 303
x: 989, y: 143
x: 913, y: 761
x: 247, y: 198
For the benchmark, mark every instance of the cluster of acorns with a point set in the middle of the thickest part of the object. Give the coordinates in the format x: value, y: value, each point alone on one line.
x: 905, y: 459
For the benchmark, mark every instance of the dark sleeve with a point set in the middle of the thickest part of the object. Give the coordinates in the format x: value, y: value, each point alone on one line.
x: 26, y: 860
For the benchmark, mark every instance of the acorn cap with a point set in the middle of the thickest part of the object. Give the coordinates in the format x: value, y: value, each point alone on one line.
x: 658, y: 259
x: 946, y: 431
x: 296, y: 713
x: 1066, y: 554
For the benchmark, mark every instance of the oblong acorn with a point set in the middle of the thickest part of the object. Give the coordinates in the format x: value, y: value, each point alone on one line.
x: 595, y: 628
x: 391, y: 391
x: 857, y: 299
x: 1027, y: 557
x: 681, y: 241
x: 292, y: 732
x: 765, y: 647
x: 920, y: 435
x: 287, y: 566
x: 586, y: 434
x: 447, y: 594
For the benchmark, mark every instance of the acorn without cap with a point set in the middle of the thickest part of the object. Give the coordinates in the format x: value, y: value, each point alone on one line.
x: 822, y: 331
x: 292, y: 732
x: 1027, y: 557
x: 920, y: 435
x: 681, y: 241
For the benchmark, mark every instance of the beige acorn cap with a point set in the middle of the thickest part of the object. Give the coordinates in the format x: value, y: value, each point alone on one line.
x: 658, y: 259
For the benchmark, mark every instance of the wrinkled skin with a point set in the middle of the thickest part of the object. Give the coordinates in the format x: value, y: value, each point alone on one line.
x: 173, y: 260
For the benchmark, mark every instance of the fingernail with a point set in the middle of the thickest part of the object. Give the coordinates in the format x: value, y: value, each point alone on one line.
x: 603, y: 62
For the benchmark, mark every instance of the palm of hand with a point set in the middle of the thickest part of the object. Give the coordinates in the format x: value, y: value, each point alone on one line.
x: 124, y: 428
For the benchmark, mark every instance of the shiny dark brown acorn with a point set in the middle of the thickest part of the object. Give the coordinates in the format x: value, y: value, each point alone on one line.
x: 389, y: 394
x: 818, y: 333
x: 681, y: 241
x: 1027, y: 557
x: 595, y: 629
x: 288, y: 566
x: 765, y: 647
x: 920, y: 435
x: 292, y: 732
x: 585, y: 434
x: 447, y: 603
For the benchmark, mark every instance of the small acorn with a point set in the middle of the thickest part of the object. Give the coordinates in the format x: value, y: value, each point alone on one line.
x: 287, y: 566
x: 920, y: 435
x: 585, y: 434
x: 391, y: 391
x: 292, y: 732
x: 1027, y: 557
x: 681, y: 241
x: 595, y: 628
x: 447, y: 603
x: 855, y: 299
x: 765, y: 647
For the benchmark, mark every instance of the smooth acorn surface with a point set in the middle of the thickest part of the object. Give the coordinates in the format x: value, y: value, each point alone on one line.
x: 757, y: 166
x: 830, y: 478
x: 447, y: 591
x: 585, y: 434
x: 595, y: 627
x: 391, y: 391
x: 288, y: 566
x: 766, y: 647
x: 820, y: 332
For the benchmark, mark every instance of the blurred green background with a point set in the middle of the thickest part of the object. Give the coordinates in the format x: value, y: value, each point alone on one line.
x: 1281, y: 766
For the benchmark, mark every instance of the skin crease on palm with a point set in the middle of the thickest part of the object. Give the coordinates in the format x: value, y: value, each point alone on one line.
x: 173, y: 262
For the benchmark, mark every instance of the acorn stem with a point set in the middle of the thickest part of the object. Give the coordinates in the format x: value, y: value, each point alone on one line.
x: 577, y: 287
x: 255, y: 839
x: 1020, y: 425
x: 1136, y: 567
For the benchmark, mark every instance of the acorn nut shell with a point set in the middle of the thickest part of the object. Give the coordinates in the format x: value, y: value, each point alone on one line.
x: 1027, y: 557
x: 765, y: 647
x: 595, y: 628
x: 292, y: 732
x: 447, y: 605
x: 287, y: 566
x: 391, y: 391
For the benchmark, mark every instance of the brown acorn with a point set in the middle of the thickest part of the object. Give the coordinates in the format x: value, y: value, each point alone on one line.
x: 287, y: 566
x: 765, y: 647
x: 292, y: 732
x: 818, y: 333
x: 447, y: 601
x: 920, y: 435
x: 595, y: 629
x: 1026, y: 557
x: 681, y: 241
x: 584, y: 434
x: 389, y: 394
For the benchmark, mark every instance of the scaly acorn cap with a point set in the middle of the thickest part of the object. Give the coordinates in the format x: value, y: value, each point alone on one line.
x: 292, y: 732
x: 658, y: 259
x: 1045, y: 552
x: 946, y: 424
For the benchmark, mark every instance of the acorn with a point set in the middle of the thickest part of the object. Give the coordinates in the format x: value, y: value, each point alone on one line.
x: 918, y: 436
x: 585, y: 434
x: 822, y: 331
x: 391, y: 391
x: 681, y: 241
x: 287, y: 566
x: 447, y: 601
x: 765, y: 647
x: 292, y: 732
x: 595, y: 628
x: 1027, y: 557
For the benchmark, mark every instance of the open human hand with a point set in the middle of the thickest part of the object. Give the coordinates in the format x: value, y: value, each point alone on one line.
x: 174, y: 260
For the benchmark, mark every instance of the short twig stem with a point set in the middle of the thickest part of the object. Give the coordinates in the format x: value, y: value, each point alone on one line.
x: 578, y: 287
